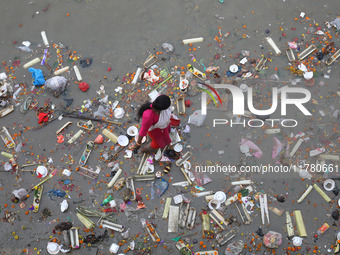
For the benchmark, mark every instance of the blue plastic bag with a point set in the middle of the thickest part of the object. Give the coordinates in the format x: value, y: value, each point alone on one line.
x: 38, y: 77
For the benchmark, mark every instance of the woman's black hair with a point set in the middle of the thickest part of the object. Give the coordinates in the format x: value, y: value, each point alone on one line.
x: 161, y: 103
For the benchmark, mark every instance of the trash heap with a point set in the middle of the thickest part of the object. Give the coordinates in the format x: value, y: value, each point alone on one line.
x: 113, y: 200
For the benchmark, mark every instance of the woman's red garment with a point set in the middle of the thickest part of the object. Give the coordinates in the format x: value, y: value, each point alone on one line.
x: 160, y: 137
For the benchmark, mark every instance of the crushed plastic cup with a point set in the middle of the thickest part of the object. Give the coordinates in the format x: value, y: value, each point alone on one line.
x: 118, y: 113
x: 308, y: 75
x: 41, y: 171
x: 214, y: 204
x: 329, y: 185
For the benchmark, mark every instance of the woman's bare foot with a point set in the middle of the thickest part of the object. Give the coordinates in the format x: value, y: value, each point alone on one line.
x: 147, y: 149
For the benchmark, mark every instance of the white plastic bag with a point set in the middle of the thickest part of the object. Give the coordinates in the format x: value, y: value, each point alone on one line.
x: 197, y: 118
x: 56, y: 85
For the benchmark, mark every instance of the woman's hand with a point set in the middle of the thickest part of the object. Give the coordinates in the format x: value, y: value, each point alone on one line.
x: 133, y: 146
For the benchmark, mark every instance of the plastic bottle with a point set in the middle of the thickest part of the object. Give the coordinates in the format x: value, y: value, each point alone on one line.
x: 107, y: 200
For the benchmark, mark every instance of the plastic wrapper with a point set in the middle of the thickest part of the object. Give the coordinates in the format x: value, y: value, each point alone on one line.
x: 56, y: 85
x: 234, y: 248
x: 197, y: 119
x: 102, y: 112
x: 7, y: 166
x: 158, y: 187
x: 336, y: 23
x: 126, y: 234
x: 272, y: 239
x: 277, y: 148
x: 18, y: 148
x: 256, y: 150
x: 201, y: 178
x: 168, y: 47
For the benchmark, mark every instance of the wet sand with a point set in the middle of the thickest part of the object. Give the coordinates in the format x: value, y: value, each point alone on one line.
x: 120, y: 35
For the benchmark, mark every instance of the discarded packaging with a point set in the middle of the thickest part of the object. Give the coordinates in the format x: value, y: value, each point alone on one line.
x: 323, y: 194
x: 87, y: 172
x: 86, y: 221
x: 7, y: 138
x: 272, y: 240
x: 334, y: 57
x: 289, y: 225
x: 184, y: 158
x: 290, y: 55
x: 173, y: 219
x: 300, y: 225
x: 260, y: 65
x: 304, y: 195
x: 184, y: 249
x: 112, y: 226
x: 74, y: 238
x: 62, y: 70
x: 44, y: 38
x: 193, y: 40
x: 77, y: 72
x: 196, y: 72
x: 113, y: 138
x: 115, y: 178
x: 166, y: 208
x: 152, y: 59
x: 219, y: 220
x: 307, y: 52
x: 75, y: 137
x: 63, y: 127
x: 273, y: 45
x: 31, y: 63
x: 226, y: 237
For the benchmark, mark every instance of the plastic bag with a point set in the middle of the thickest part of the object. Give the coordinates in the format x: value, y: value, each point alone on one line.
x: 197, y: 118
x: 102, y: 112
x: 277, y: 148
x: 201, y: 178
x: 56, y: 85
x: 158, y: 187
x: 168, y: 47
x: 272, y: 239
x: 234, y: 248
x: 336, y: 23
x: 256, y: 150
x: 37, y: 76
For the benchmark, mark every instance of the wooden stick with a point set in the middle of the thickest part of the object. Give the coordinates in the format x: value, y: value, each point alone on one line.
x: 90, y: 118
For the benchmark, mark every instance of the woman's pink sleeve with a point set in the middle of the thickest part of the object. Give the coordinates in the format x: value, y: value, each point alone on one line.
x: 146, y: 123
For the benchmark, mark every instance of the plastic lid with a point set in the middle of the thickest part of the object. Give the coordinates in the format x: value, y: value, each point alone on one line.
x: 233, y: 68
x: 297, y: 241
x: 52, y: 248
x: 244, y: 87
x: 220, y: 196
